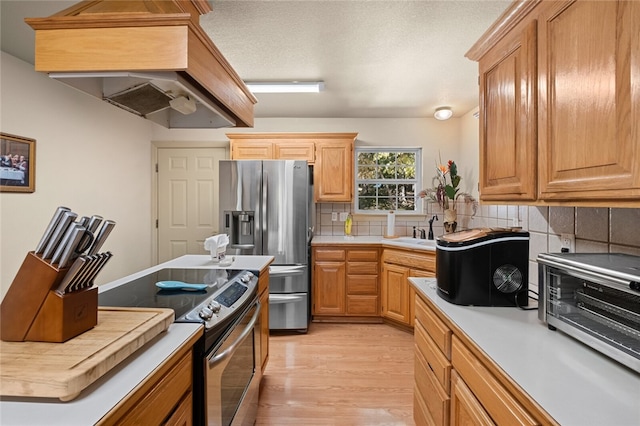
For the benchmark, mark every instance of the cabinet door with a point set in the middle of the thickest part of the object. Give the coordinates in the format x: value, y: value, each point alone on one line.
x: 333, y: 171
x: 589, y: 138
x: 329, y: 288
x: 294, y: 150
x: 251, y: 150
x: 508, y: 113
x: 465, y: 408
x: 395, y: 293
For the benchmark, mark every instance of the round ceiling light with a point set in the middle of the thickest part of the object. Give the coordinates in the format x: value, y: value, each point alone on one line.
x: 443, y: 113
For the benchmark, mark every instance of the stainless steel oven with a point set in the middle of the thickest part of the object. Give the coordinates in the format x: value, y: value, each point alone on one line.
x: 232, y: 372
x: 595, y: 298
x: 226, y: 373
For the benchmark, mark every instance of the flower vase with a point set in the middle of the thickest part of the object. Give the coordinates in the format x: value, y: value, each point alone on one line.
x: 450, y: 220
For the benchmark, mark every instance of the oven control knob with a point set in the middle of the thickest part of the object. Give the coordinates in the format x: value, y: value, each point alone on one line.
x: 246, y: 278
x: 215, y: 306
x: 634, y: 285
x: 205, y: 313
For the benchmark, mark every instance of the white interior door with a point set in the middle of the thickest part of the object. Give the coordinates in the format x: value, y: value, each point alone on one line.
x: 187, y: 199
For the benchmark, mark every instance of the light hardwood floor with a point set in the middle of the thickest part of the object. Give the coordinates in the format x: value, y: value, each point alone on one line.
x: 339, y: 374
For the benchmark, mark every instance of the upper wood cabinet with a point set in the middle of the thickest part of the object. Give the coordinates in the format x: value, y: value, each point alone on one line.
x: 589, y: 73
x: 331, y: 154
x: 508, y: 134
x: 560, y: 103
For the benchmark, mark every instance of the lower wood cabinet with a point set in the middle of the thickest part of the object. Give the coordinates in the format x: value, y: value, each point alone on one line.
x: 456, y: 384
x: 397, y: 293
x: 164, y: 398
x: 263, y: 290
x: 345, y: 282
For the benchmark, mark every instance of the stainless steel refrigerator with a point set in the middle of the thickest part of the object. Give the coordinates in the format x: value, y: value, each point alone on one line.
x: 266, y: 208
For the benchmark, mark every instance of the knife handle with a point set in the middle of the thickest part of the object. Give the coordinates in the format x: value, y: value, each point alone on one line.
x: 52, y: 225
x: 99, y: 239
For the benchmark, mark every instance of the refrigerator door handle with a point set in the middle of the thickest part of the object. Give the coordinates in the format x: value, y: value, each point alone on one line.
x: 286, y: 271
x: 264, y: 217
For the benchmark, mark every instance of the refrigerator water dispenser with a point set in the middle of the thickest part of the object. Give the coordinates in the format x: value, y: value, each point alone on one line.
x: 239, y: 226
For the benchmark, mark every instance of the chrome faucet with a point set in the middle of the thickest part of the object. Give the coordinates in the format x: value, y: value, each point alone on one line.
x: 434, y: 217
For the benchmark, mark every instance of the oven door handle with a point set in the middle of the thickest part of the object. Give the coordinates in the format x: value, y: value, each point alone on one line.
x: 282, y: 298
x: 227, y: 352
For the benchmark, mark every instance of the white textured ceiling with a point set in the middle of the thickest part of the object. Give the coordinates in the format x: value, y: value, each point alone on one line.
x: 386, y: 58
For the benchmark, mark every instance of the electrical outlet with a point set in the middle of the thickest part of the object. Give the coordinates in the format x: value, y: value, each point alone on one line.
x: 343, y: 216
x: 568, y: 242
x: 334, y: 216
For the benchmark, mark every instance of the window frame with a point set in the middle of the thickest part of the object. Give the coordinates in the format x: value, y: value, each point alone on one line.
x: 417, y: 151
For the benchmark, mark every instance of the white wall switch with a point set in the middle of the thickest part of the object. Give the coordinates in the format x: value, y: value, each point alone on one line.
x: 334, y: 216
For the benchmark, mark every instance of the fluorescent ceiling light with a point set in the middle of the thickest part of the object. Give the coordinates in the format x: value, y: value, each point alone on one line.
x: 443, y: 113
x: 285, y: 86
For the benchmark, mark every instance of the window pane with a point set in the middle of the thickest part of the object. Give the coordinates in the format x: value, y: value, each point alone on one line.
x: 406, y: 158
x: 366, y: 203
x: 387, y: 172
x: 407, y: 204
x: 366, y: 190
x: 366, y: 172
x: 386, y: 204
x: 367, y: 158
x: 386, y: 190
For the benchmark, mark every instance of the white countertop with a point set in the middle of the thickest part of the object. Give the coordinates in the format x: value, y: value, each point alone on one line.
x: 402, y: 242
x: 573, y: 383
x: 99, y: 398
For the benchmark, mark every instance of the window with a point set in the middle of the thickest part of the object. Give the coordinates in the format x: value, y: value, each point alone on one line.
x: 387, y: 179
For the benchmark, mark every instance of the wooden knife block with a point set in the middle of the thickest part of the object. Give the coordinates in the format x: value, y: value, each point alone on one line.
x: 32, y: 310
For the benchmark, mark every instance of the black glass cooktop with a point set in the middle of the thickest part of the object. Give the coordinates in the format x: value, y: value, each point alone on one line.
x: 142, y: 292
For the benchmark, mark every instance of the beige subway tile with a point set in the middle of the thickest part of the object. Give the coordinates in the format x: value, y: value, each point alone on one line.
x: 592, y: 223
x: 562, y: 220
x: 625, y: 227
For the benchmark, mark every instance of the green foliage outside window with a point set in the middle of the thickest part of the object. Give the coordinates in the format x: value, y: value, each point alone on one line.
x: 387, y: 179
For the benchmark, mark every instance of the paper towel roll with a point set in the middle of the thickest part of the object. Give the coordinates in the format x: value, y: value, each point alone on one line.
x: 391, y: 224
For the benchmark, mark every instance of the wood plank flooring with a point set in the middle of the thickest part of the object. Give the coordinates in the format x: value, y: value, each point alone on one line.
x: 339, y: 374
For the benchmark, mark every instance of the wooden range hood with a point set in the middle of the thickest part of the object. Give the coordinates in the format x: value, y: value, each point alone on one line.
x: 149, y: 57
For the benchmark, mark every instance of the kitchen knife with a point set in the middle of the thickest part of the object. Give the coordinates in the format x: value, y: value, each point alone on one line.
x: 81, y: 278
x: 66, y: 239
x: 83, y: 221
x: 99, y: 239
x: 52, y: 225
x: 94, y: 273
x: 73, y: 271
x: 58, y: 233
x: 94, y: 222
x: 69, y: 253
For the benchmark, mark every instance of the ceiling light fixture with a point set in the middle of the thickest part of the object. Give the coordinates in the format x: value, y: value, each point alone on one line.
x: 285, y: 86
x: 443, y: 113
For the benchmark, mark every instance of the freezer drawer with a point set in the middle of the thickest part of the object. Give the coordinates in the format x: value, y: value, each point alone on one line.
x: 289, y: 311
x: 289, y: 279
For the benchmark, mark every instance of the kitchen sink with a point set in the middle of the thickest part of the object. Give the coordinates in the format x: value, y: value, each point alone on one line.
x: 417, y: 241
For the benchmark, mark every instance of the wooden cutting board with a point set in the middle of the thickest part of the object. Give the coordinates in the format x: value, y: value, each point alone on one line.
x: 63, y: 370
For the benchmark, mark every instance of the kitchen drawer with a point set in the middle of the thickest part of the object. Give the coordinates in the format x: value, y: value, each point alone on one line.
x: 437, y: 330
x: 362, y: 268
x: 436, y: 400
x: 163, y: 398
x: 421, y: 415
x: 501, y: 405
x: 436, y: 361
x: 426, y: 261
x: 327, y: 254
x: 362, y: 305
x: 362, y: 255
x: 362, y: 284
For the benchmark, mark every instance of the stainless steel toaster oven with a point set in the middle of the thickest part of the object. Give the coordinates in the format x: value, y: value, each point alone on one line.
x: 595, y: 298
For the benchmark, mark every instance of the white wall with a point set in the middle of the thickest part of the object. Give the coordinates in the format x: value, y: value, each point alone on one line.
x: 90, y: 157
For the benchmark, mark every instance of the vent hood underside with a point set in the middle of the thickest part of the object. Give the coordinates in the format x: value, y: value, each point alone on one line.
x: 148, y: 57
x: 149, y: 95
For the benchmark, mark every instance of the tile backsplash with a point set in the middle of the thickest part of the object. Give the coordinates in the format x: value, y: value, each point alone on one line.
x: 598, y: 229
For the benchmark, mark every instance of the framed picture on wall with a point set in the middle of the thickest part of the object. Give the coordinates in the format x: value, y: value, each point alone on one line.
x: 17, y: 163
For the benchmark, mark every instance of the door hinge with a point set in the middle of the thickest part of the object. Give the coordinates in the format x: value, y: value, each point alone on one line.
x: 156, y: 167
x: 156, y: 223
